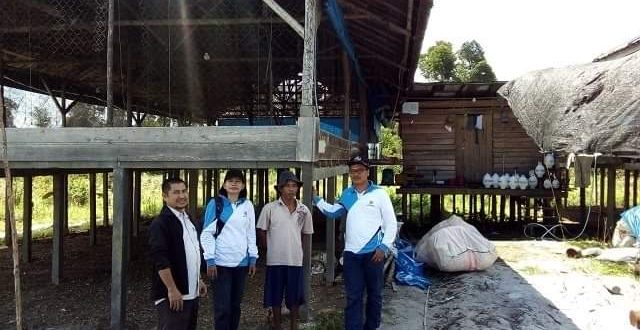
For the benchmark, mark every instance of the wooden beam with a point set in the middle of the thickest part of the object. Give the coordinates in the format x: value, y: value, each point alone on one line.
x: 376, y: 18
x: 92, y: 209
x: 331, y: 235
x: 110, y: 20
x: 27, y: 216
x: 328, y: 172
x: 346, y: 80
x: 308, y: 108
x: 77, y: 147
x: 58, y: 229
x: 293, y: 23
x: 121, y: 214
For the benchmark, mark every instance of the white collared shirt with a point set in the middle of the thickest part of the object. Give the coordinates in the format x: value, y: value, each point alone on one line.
x: 192, y: 253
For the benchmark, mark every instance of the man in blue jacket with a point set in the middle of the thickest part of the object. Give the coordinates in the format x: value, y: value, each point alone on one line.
x: 370, y: 231
x: 175, y: 252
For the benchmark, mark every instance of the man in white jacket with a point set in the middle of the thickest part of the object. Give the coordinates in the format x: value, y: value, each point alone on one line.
x: 370, y: 231
x: 229, y: 242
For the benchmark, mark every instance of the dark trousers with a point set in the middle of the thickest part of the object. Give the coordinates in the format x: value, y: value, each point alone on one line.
x: 186, y: 319
x: 361, y: 273
x: 228, y: 288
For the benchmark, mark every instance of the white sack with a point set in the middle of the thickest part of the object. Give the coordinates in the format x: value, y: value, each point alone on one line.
x: 454, y: 245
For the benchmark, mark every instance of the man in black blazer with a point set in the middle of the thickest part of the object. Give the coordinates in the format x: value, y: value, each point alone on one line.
x: 176, y: 255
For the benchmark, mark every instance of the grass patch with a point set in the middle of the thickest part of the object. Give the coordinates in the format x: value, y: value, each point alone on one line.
x: 608, y: 268
x: 533, y: 270
x: 584, y: 244
x: 332, y: 320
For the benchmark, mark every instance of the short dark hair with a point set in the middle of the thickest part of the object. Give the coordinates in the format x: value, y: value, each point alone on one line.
x: 166, y: 184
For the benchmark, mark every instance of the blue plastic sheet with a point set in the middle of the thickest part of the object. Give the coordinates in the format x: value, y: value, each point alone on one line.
x: 632, y: 219
x: 408, y: 270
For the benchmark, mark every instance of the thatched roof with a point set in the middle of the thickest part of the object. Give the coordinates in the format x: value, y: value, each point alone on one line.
x: 588, y: 108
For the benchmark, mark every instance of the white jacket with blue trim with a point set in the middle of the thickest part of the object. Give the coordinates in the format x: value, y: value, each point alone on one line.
x: 236, y: 244
x: 371, y: 220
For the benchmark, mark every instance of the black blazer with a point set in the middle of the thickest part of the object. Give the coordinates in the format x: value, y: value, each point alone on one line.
x: 167, y: 251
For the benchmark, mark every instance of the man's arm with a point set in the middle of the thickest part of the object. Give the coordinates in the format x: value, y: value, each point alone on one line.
x: 331, y: 211
x: 174, y: 295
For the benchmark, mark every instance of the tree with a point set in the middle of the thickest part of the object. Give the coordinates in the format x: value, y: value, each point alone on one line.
x: 85, y: 115
x: 11, y: 107
x: 472, y: 65
x: 40, y: 117
x: 468, y: 64
x: 439, y: 62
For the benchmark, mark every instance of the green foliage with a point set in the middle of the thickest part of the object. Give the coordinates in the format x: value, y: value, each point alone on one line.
x: 439, y: 62
x: 10, y: 107
x: 468, y: 64
x: 40, y: 117
x: 155, y: 121
x: 391, y: 143
x: 86, y: 115
x: 333, y: 320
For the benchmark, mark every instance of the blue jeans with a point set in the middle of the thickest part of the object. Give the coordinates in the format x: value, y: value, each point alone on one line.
x: 361, y: 273
x: 228, y: 288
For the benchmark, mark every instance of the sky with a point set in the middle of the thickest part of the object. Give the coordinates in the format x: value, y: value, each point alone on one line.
x: 519, y: 36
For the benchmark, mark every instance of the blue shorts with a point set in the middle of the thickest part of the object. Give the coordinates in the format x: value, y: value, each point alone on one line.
x: 284, y: 282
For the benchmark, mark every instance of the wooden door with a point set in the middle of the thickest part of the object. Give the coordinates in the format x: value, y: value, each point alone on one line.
x: 474, y: 147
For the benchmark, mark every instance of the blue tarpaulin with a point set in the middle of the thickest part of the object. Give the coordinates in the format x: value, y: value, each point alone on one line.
x: 408, y: 270
x: 631, y: 218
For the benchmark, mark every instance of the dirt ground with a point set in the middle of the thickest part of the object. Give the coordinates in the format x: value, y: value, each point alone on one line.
x: 82, y: 300
x: 532, y: 286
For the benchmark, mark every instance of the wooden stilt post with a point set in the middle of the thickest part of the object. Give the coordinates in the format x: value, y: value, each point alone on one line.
x: 307, y: 199
x: 105, y: 199
x: 331, y: 235
x: 193, y: 194
x: 583, y: 204
x: 137, y: 200
x: 611, y: 201
x: 65, y: 204
x: 27, y: 215
x: 635, y: 188
x: 120, y: 242
x: 92, y: 209
x: 627, y: 183
x: 207, y: 186
x: 58, y: 228
x: 494, y: 211
x: 7, y: 221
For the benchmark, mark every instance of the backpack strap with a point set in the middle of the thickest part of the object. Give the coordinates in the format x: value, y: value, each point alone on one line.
x: 219, y: 222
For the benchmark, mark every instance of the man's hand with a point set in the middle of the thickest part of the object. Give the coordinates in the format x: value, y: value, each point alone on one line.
x: 252, y: 270
x: 212, y: 272
x: 175, y: 300
x: 202, y: 288
x: 378, y: 256
x: 314, y: 191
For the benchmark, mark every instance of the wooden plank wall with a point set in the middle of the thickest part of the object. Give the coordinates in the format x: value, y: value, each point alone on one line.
x: 428, y: 146
x: 511, y: 142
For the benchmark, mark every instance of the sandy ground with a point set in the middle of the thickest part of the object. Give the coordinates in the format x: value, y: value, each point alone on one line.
x: 532, y: 286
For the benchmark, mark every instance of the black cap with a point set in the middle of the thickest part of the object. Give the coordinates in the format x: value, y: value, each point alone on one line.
x: 358, y: 160
x: 234, y: 173
x: 287, y: 176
